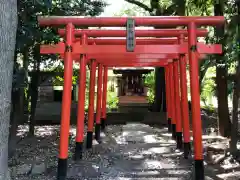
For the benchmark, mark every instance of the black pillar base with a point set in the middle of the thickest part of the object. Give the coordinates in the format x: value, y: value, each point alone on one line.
x: 62, y: 169
x: 103, y: 124
x: 169, y: 125
x: 89, y: 139
x: 173, y: 131
x: 78, y: 151
x: 187, y: 149
x: 179, y: 140
x: 97, y: 131
x: 199, y: 170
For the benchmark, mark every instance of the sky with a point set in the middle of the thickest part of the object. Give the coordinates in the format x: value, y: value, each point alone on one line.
x: 114, y: 6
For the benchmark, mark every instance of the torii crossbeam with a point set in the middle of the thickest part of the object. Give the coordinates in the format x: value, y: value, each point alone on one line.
x: 138, y: 33
x: 78, y: 49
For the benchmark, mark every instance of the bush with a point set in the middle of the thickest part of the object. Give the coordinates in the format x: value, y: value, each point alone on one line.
x: 150, y: 83
x: 112, y: 100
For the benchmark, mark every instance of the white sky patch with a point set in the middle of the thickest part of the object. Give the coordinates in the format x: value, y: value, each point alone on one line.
x: 113, y: 7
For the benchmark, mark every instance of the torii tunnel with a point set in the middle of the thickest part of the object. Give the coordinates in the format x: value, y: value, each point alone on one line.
x: 172, y: 49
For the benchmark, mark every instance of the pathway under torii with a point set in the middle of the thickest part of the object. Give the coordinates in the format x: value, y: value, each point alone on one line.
x: 172, y: 49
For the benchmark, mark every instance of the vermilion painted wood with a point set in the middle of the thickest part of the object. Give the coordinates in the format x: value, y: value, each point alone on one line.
x: 99, y: 93
x: 147, y: 49
x: 172, y: 96
x: 184, y: 95
x: 139, y: 57
x: 195, y: 96
x: 137, y: 65
x: 81, y: 95
x: 138, y: 41
x: 91, y: 95
x: 146, y: 41
x: 167, y: 91
x: 67, y: 93
x: 121, y: 21
x: 138, y: 33
x: 109, y: 59
x: 121, y: 49
x: 104, y: 96
x: 124, y: 60
x: 81, y: 100
x: 73, y: 50
x: 177, y: 97
x: 135, y: 57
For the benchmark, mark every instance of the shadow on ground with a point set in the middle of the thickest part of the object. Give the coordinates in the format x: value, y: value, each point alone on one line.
x: 127, y: 152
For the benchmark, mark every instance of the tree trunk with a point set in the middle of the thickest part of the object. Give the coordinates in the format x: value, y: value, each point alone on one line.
x: 234, y: 128
x: 13, y: 100
x: 24, y: 97
x: 222, y: 96
x: 159, y: 99
x: 160, y: 91
x: 8, y: 19
x: 32, y: 122
x: 22, y: 90
x: 15, y: 114
x: 34, y: 98
x: 224, y: 122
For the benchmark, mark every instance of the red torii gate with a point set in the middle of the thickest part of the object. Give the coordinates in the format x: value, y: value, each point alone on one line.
x: 94, y: 49
x: 171, y: 71
x: 138, y: 62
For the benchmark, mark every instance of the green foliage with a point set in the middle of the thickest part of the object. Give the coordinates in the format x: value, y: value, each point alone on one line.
x: 30, y: 35
x: 208, y: 88
x: 132, y: 10
x: 209, y: 108
x: 58, y: 80
x: 87, y: 101
x: 150, y: 83
x: 112, y: 100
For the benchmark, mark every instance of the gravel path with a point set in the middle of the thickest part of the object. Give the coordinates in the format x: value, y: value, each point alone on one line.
x: 127, y: 152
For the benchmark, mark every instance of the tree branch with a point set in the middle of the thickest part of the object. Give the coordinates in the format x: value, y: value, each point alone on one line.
x: 141, y: 5
x: 155, y: 6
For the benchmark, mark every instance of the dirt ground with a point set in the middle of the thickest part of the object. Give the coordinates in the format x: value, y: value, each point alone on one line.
x: 127, y: 152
